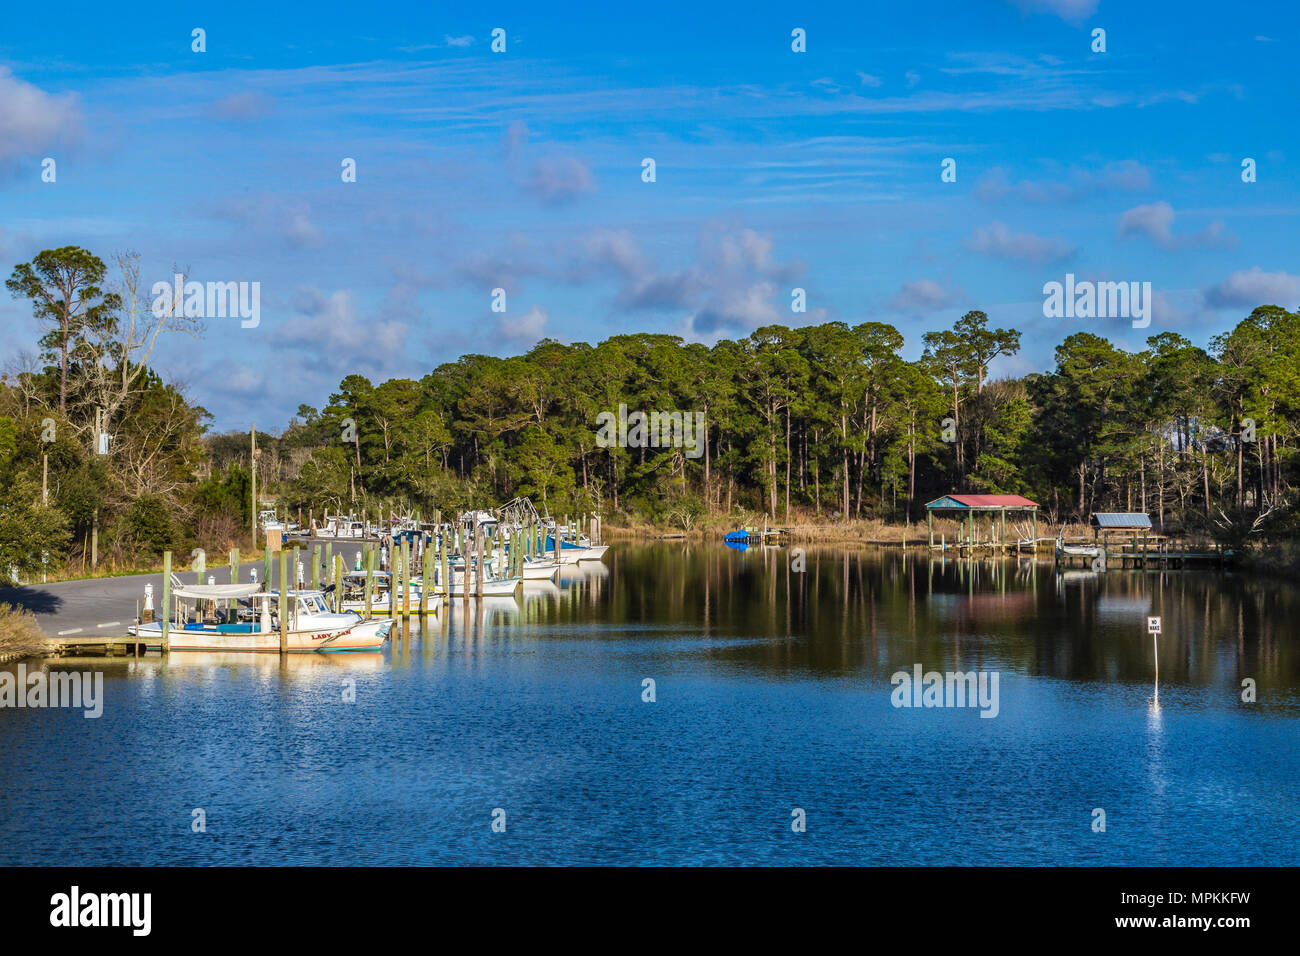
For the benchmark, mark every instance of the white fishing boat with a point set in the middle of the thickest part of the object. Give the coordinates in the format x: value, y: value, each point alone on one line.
x: 540, y: 570
x: 270, y: 521
x: 502, y: 587
x: 594, y: 552
x: 340, y: 526
x: 242, y: 617
x: 381, y: 599
x: 535, y: 569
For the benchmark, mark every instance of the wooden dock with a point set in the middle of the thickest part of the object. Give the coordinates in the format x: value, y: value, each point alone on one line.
x: 93, y: 645
x: 1147, y: 559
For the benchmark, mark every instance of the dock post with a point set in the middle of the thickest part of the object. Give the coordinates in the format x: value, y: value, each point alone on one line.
x: 370, y: 578
x: 268, y: 567
x: 406, y: 577
x: 929, y: 526
x: 442, y: 571
x: 1004, y: 530
x: 329, y: 562
x: 284, y: 601
x: 336, y: 577
x: 1034, y: 548
x: 315, y: 567
x: 234, y: 579
x: 167, y: 602
x: 478, y: 560
x: 467, y: 559
x: 425, y: 583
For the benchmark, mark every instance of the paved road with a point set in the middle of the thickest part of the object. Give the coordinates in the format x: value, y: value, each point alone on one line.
x: 106, y: 607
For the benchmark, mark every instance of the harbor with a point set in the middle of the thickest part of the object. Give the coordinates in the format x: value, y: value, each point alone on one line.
x: 771, y: 689
x: 397, y: 570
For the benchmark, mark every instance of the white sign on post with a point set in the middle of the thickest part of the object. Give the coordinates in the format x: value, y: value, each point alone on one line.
x: 1153, y: 625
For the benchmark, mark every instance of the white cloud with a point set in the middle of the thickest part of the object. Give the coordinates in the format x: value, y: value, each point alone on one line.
x: 560, y: 179
x: 31, y: 120
x: 922, y: 296
x: 327, y: 331
x: 1252, y: 287
x: 1155, y: 221
x: 287, y: 220
x: 998, y: 241
x: 1069, y: 185
x: 525, y: 330
x: 1072, y: 11
x: 242, y: 107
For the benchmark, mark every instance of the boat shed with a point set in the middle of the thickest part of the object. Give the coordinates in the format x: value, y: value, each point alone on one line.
x: 1120, y: 521
x: 1133, y: 523
x: 968, y: 506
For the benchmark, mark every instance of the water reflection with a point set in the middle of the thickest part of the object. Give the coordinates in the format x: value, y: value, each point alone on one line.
x: 773, y: 687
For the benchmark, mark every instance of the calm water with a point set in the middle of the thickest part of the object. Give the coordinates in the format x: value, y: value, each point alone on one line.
x: 773, y: 692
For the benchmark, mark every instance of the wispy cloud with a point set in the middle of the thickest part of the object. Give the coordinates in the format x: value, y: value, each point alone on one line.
x: 244, y: 107
x: 1070, y: 184
x: 924, y: 296
x: 999, y: 242
x: 1072, y: 11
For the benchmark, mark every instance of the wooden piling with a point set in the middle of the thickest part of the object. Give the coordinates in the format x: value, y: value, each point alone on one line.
x: 478, y: 559
x: 167, y: 602
x: 336, y: 574
x: 284, y: 601
x: 406, y: 576
x: 369, y: 559
x: 443, y: 578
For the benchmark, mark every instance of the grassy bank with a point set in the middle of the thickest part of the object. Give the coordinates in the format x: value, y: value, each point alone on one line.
x: 825, y: 531
x: 20, y: 635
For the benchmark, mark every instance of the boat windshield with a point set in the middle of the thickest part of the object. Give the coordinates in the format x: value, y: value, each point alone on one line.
x: 312, y: 604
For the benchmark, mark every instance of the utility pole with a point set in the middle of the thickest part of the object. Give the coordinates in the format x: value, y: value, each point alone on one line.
x: 94, y: 520
x: 252, y: 468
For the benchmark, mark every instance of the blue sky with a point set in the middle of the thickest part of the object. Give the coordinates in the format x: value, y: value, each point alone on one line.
x: 522, y: 170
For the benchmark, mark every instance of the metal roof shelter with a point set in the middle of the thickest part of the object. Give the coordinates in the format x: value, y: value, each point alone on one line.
x: 970, y: 505
x: 1120, y: 521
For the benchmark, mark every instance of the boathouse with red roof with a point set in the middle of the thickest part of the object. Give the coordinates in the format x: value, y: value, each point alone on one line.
x: 966, y: 507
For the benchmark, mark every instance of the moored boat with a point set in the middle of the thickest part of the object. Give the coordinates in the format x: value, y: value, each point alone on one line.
x: 242, y: 617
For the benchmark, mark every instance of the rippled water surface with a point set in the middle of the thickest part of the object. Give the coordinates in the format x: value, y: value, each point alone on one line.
x: 773, y: 692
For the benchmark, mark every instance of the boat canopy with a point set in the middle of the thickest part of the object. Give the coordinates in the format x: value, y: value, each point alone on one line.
x: 215, y: 592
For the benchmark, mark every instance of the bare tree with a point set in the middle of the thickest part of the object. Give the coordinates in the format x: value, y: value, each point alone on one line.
x: 118, y: 353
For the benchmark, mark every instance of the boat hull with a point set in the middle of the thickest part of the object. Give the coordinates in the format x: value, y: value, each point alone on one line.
x: 541, y: 570
x: 358, y: 636
x: 432, y: 602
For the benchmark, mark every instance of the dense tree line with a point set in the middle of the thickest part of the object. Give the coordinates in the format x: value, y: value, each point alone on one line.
x: 830, y: 421
x: 822, y: 422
